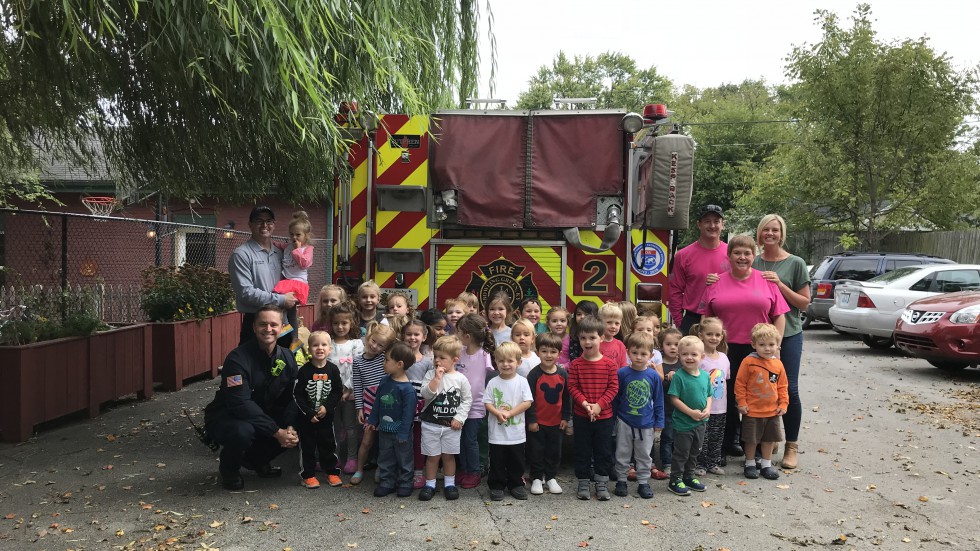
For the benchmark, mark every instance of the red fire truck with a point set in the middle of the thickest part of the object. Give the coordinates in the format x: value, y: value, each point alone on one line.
x: 565, y: 204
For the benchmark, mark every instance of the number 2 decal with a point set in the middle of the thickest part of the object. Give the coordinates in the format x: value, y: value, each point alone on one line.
x: 598, y: 270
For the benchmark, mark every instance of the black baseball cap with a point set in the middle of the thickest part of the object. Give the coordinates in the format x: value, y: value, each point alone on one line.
x: 260, y: 209
x: 711, y: 209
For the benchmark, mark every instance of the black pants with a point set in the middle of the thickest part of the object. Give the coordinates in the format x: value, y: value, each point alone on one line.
x: 240, y: 446
x: 544, y: 452
x: 317, y: 440
x: 689, y: 319
x: 506, y: 466
x: 687, y: 446
x: 733, y: 420
x: 592, y: 449
x: 396, y: 461
x: 247, y: 332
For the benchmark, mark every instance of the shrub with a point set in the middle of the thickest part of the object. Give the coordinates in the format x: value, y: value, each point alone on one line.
x: 184, y: 293
x: 42, y: 314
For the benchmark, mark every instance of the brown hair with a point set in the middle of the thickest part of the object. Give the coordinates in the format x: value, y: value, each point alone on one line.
x: 698, y: 328
x: 548, y: 340
x: 640, y: 340
x: 301, y: 220
x: 476, y: 327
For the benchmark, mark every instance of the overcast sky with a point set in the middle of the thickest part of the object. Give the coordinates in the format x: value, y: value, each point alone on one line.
x: 702, y: 42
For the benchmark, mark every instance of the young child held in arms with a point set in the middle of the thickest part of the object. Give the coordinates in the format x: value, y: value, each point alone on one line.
x: 592, y: 384
x: 690, y: 393
x: 639, y: 410
x: 611, y: 347
x: 391, y: 417
x: 715, y: 362
x: 522, y: 334
x: 317, y: 391
x: 762, y: 394
x: 507, y: 397
x: 448, y: 399
x: 297, y: 257
x: 548, y: 415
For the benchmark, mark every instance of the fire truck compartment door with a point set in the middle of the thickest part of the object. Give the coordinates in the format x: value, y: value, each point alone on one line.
x: 483, y: 159
x: 487, y: 268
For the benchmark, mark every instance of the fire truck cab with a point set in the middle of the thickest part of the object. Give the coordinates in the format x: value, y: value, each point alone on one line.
x: 565, y: 205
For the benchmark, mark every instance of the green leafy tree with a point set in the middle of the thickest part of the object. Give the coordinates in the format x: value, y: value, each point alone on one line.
x: 231, y: 98
x: 877, y: 142
x: 612, y: 78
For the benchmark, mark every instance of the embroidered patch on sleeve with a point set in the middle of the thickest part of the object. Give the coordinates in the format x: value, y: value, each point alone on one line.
x: 233, y: 380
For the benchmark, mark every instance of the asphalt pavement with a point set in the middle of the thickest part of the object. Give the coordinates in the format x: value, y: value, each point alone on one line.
x: 888, y: 461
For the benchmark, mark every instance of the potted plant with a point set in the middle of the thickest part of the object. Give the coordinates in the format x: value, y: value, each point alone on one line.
x: 194, y: 322
x: 57, y: 357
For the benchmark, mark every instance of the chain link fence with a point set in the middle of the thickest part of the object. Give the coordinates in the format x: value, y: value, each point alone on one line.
x: 105, y: 257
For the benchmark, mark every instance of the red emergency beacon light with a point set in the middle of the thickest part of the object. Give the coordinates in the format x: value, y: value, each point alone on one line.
x: 655, y: 111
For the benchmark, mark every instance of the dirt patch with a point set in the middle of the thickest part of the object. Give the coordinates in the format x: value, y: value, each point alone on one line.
x: 962, y: 410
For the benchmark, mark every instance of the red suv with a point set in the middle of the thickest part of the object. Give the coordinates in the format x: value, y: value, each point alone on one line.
x: 943, y: 329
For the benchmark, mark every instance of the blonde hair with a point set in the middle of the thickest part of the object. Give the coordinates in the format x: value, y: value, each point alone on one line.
x: 301, y: 220
x: 764, y: 331
x: 765, y: 220
x: 381, y: 331
x: 469, y: 299
x: 649, y: 309
x: 699, y: 328
x: 690, y: 341
x: 508, y: 350
x: 525, y: 323
x: 451, y: 302
x: 398, y: 294
x: 629, y: 317
x: 369, y: 285
x: 323, y: 291
x: 610, y: 310
x: 449, y: 345
x: 323, y: 334
x: 398, y: 323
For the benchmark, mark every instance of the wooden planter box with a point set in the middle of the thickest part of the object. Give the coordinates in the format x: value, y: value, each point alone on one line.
x: 44, y: 381
x: 184, y: 350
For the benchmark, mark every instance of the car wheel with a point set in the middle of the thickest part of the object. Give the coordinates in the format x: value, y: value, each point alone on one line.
x: 805, y: 319
x: 878, y: 343
x: 948, y: 365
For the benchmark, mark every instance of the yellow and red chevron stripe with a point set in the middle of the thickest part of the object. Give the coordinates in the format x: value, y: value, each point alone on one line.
x: 403, y: 161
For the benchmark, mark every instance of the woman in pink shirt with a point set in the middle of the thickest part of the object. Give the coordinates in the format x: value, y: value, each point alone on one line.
x: 742, y: 298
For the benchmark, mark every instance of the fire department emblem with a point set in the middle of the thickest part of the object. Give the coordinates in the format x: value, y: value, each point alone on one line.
x: 502, y: 275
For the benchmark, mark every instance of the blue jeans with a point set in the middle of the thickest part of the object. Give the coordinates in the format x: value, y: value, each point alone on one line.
x: 468, y: 460
x: 791, y: 351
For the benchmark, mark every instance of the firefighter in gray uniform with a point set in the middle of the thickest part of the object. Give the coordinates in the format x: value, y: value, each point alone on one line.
x: 253, y: 411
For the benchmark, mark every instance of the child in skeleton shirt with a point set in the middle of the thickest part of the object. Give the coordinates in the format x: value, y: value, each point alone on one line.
x: 317, y: 393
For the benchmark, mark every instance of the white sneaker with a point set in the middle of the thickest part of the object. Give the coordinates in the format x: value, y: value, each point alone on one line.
x: 536, y: 488
x: 553, y: 487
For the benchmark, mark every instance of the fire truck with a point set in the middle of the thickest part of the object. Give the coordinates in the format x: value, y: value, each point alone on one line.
x: 566, y: 204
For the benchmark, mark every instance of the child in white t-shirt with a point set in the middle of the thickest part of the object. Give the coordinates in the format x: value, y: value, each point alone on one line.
x: 507, y: 398
x: 522, y: 333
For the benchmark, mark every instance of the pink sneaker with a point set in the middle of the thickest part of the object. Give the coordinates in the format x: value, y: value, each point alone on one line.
x: 468, y: 481
x: 350, y: 467
x: 419, y: 482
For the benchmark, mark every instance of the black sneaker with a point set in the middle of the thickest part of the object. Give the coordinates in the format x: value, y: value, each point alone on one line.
x: 404, y: 492
x: 519, y: 492
x: 496, y: 495
x: 382, y: 491
x: 724, y: 461
x: 268, y: 471
x: 426, y: 493
x: 644, y: 491
x: 694, y: 484
x: 734, y: 450
x: 621, y: 489
x: 232, y: 481
x: 678, y: 487
x: 769, y: 473
x: 751, y: 472
x: 451, y: 493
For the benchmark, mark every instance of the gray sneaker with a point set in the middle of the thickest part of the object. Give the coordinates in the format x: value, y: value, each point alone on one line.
x: 602, y: 491
x: 583, y: 489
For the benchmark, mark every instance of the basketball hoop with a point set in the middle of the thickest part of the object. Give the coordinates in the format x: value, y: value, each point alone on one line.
x: 100, y: 206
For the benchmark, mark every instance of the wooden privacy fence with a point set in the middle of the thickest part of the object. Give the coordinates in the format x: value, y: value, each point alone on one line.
x: 962, y: 246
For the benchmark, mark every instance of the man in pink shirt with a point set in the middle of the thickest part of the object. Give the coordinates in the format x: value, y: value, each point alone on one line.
x: 693, y: 263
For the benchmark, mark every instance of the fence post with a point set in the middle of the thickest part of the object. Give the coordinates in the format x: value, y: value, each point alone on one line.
x: 64, y: 267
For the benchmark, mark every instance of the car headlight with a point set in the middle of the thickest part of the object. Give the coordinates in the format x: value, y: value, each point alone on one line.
x: 970, y: 314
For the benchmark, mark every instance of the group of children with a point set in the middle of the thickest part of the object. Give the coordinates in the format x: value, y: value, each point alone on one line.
x: 482, y: 394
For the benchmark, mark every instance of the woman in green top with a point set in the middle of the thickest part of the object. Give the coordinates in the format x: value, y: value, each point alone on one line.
x: 789, y: 273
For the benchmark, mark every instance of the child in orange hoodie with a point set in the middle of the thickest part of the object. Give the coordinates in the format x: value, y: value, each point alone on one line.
x: 762, y: 394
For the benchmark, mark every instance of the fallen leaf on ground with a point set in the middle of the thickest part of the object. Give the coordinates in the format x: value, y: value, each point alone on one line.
x: 554, y: 517
x: 107, y: 467
x: 906, y: 540
x: 120, y: 533
x: 273, y: 506
x: 365, y: 510
x: 742, y: 483
x: 923, y: 499
x: 111, y: 437
x: 645, y: 522
x: 707, y: 504
x: 216, y: 524
x: 161, y: 465
x: 783, y: 486
x: 10, y: 516
x: 246, y: 520
x: 583, y: 544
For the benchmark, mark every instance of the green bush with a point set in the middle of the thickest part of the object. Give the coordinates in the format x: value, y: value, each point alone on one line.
x: 184, y: 293
x: 46, y: 314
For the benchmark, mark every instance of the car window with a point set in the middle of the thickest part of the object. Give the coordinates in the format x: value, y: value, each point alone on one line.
x: 923, y: 284
x: 820, y: 271
x: 950, y: 281
x: 860, y: 269
x: 900, y: 263
x: 893, y: 275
